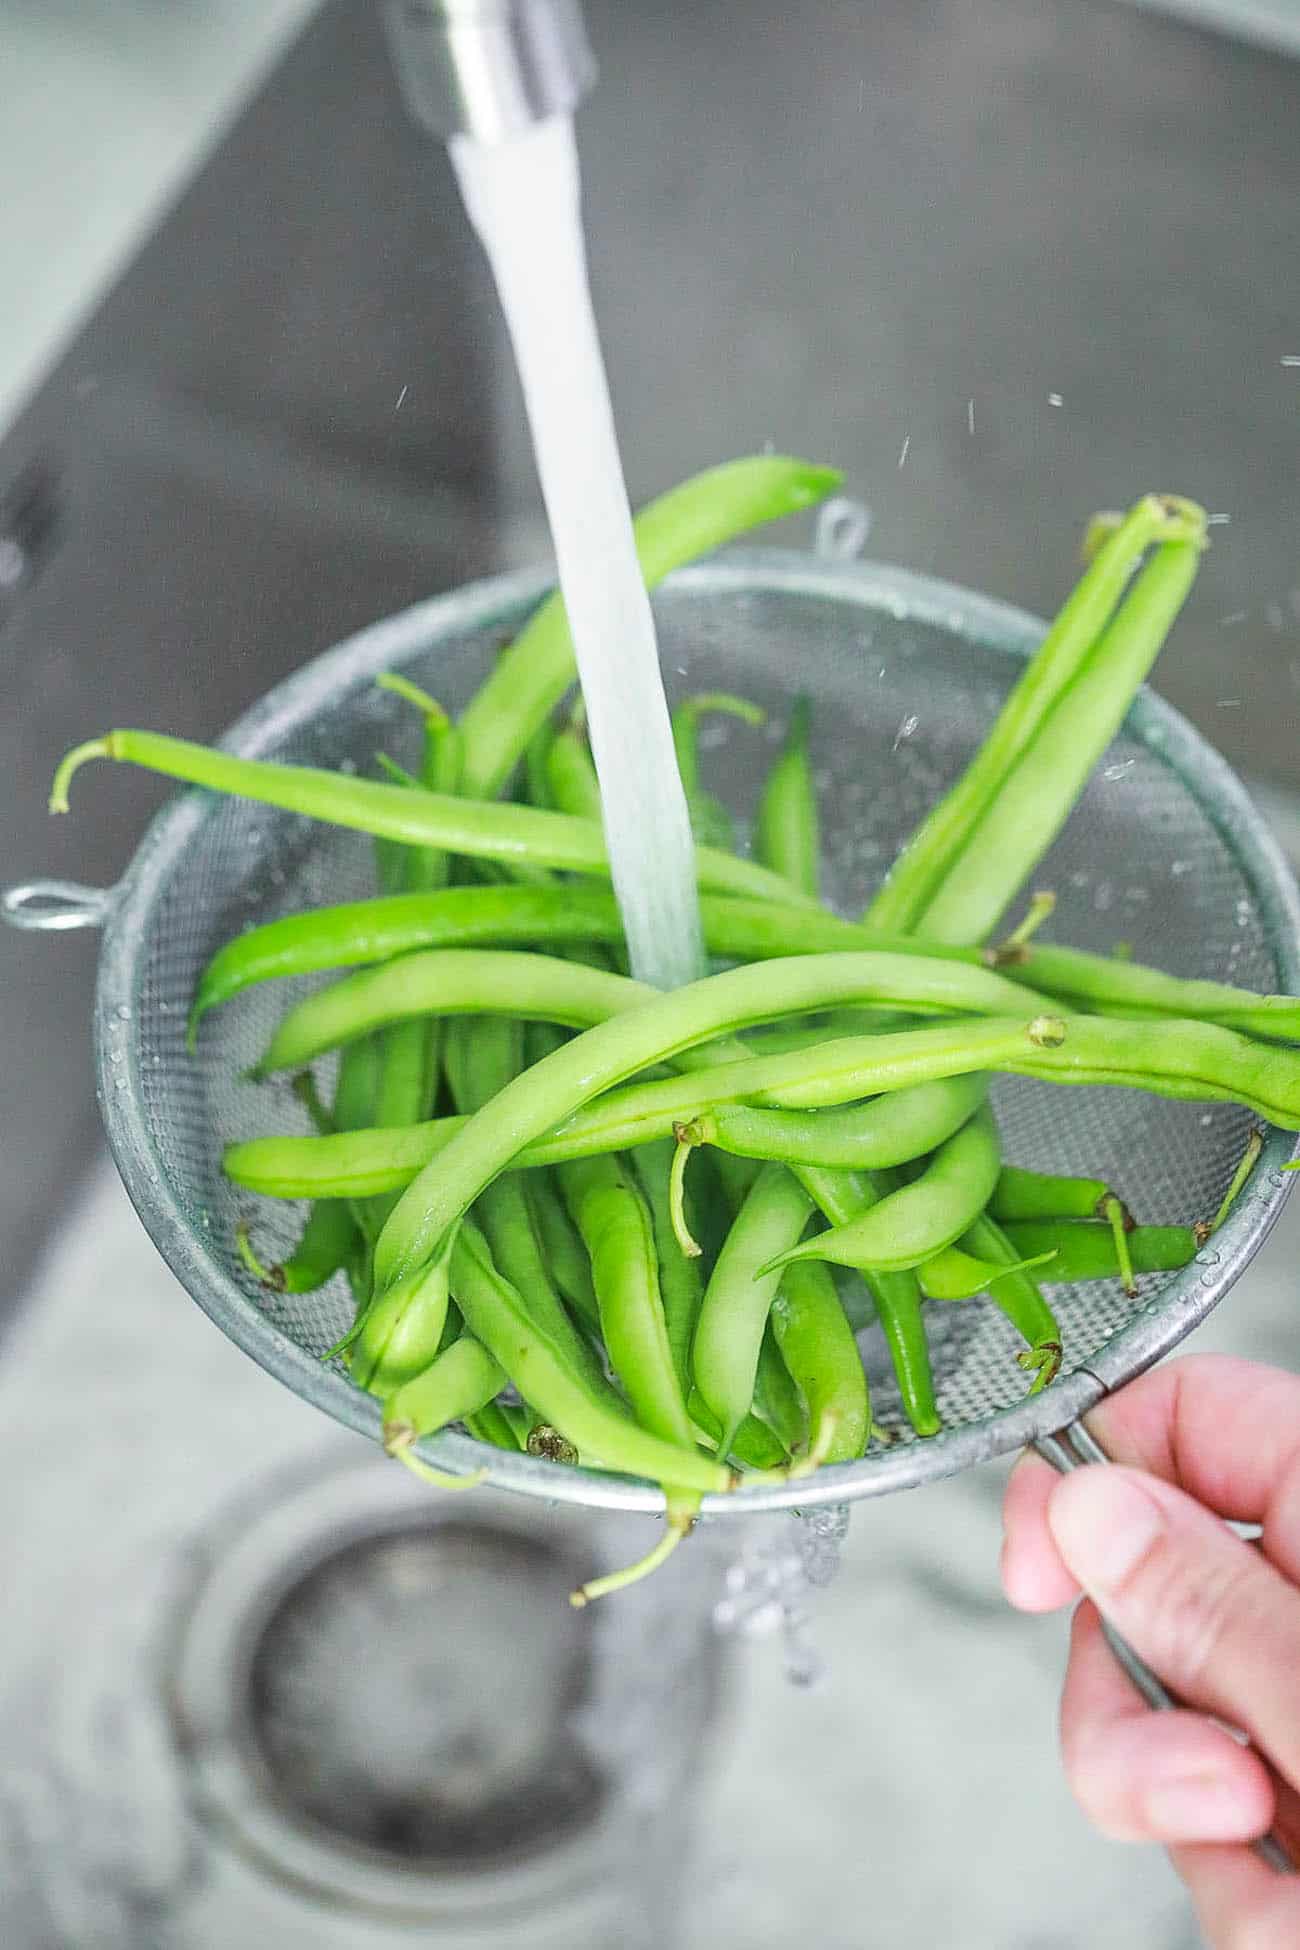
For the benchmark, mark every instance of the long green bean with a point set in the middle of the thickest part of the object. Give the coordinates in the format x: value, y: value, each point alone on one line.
x: 843, y: 1197
x: 1037, y: 794
x: 1084, y: 1249
x: 681, y: 1284
x: 478, y: 829
x: 740, y: 1293
x: 883, y: 1131
x: 1017, y: 1293
x: 788, y: 833
x: 934, y: 849
x: 363, y: 932
x: 920, y: 1218
x: 711, y: 822
x: 818, y: 1348
x: 501, y: 981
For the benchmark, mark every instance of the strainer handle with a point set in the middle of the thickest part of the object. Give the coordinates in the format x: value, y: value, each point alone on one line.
x: 1075, y: 1448
x: 53, y: 906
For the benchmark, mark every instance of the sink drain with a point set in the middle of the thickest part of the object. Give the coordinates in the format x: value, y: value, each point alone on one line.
x: 391, y: 1721
x: 418, y: 1695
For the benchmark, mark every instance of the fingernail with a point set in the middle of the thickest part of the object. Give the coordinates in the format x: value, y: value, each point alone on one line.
x: 1104, y: 1524
x: 1198, y: 1808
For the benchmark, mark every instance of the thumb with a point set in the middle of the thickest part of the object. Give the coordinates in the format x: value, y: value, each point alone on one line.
x: 1205, y: 1609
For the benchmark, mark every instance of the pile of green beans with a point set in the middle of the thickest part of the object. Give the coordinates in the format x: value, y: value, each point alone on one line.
x: 596, y: 1223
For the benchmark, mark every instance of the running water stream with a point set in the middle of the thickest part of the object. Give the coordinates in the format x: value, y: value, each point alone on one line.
x: 523, y: 199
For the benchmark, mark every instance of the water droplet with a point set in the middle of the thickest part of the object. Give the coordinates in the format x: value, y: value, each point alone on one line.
x: 1207, y: 1257
x: 1113, y: 772
x: 1180, y: 867
x: 1205, y: 1119
x: 123, y: 1013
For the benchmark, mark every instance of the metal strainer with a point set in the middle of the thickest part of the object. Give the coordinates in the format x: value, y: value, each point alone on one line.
x: 1165, y: 851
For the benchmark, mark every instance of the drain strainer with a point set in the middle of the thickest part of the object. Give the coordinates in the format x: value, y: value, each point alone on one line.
x: 387, y: 1710
x: 417, y: 1695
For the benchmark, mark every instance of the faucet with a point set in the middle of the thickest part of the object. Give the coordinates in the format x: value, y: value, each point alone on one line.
x: 488, y: 69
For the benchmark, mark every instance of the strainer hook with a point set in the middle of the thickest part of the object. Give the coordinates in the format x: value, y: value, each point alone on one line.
x: 53, y: 906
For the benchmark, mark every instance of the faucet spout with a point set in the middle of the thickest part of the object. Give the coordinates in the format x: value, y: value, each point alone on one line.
x: 488, y: 69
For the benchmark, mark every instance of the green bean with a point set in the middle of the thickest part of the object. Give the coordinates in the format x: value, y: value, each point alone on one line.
x: 1021, y: 1194
x: 739, y: 1296
x: 458, y: 1383
x: 1130, y: 988
x: 788, y: 835
x: 355, y: 1086
x: 564, y: 1253
x: 496, y: 1315
x: 777, y: 1400
x: 818, y: 1348
x: 480, y: 1064
x: 843, y: 1197
x: 477, y: 828
x: 689, y: 521
x: 362, y: 932
x: 921, y: 1218
x: 408, y: 1051
x: 331, y: 1227
x: 491, y: 1425
x: 446, y: 981
x: 889, y: 1130
x: 1017, y: 1294
x: 1085, y: 1249
x: 711, y: 822
x: 497, y: 981
x: 681, y: 1285
x: 572, y: 785
x: 1037, y: 795
x: 942, y: 838
x: 357, y: 1163
x: 323, y: 1247
x: 956, y: 1275
x: 401, y: 1330
x: 614, y: 1222
x: 536, y: 787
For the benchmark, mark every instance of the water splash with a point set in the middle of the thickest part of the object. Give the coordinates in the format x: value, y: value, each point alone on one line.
x: 770, y: 1584
x: 523, y: 199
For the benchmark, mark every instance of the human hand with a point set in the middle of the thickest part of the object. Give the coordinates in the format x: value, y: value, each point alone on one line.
x: 1217, y: 1618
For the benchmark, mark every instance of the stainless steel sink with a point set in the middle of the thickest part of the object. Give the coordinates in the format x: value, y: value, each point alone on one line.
x: 1006, y: 261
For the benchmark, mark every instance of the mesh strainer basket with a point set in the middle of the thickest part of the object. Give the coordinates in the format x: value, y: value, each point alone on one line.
x: 1165, y: 852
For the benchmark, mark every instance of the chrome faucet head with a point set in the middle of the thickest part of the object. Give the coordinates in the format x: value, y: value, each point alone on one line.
x: 488, y: 69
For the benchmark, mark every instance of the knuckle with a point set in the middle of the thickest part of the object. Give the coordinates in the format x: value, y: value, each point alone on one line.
x: 1196, y: 1610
